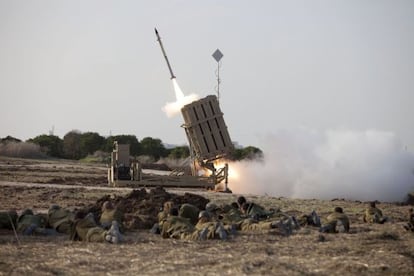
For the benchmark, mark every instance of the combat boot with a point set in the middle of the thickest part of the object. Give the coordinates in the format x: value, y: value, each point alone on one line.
x: 288, y: 227
x: 221, y: 232
x: 203, y: 234
x: 114, y: 232
x: 155, y: 229
x: 294, y: 223
x: 340, y: 228
x: 315, y: 219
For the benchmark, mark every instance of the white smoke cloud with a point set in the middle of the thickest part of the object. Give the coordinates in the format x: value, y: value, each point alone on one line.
x: 173, y: 108
x: 340, y: 163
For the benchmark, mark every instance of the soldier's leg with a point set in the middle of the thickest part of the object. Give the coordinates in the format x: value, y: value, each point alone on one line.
x: 97, y: 234
x: 195, y: 235
x: 327, y: 228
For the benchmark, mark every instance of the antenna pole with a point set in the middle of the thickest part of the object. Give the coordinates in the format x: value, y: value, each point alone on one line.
x: 217, y: 55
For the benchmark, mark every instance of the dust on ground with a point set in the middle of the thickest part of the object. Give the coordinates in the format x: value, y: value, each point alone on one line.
x: 368, y: 249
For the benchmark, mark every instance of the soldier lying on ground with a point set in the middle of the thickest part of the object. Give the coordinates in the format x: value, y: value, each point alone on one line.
x: 312, y: 219
x: 162, y: 216
x: 60, y: 219
x: 373, y: 214
x: 215, y: 229
x: 8, y: 220
x: 336, y: 222
x: 232, y: 217
x: 177, y: 227
x: 109, y: 214
x: 85, y: 228
x: 253, y: 210
x: 30, y: 224
x: 410, y: 225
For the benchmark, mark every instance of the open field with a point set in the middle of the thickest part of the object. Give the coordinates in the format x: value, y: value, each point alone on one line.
x: 368, y: 249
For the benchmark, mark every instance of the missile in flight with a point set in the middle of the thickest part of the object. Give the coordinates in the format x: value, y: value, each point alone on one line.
x: 163, y: 52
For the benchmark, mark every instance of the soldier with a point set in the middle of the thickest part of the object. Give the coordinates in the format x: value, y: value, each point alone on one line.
x: 28, y: 224
x: 162, y: 216
x: 178, y: 227
x: 189, y: 211
x: 373, y: 214
x: 60, y: 219
x: 110, y: 214
x: 214, y: 229
x: 410, y: 225
x: 336, y: 222
x: 312, y: 219
x: 234, y: 216
x: 8, y: 220
x: 86, y: 229
x: 253, y: 210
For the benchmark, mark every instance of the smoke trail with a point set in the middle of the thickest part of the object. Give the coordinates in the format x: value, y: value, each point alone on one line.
x: 365, y: 165
x: 171, y: 109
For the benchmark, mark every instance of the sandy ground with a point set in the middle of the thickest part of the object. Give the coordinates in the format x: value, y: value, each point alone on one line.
x: 368, y: 249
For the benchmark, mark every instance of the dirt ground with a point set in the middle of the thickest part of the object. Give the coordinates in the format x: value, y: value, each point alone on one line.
x: 368, y: 249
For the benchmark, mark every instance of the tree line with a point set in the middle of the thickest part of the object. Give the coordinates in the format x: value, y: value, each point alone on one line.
x: 76, y: 145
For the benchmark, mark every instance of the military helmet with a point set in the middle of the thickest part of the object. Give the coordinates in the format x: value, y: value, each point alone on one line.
x: 107, y: 205
x: 211, y: 207
x: 203, y: 214
x: 24, y: 213
x: 27, y: 212
x: 338, y: 210
x: 241, y: 200
x: 54, y: 207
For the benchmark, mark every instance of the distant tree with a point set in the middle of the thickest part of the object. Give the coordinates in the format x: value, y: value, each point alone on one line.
x: 153, y: 147
x: 51, y: 145
x: 21, y: 149
x: 179, y: 152
x: 9, y: 139
x: 134, y: 145
x: 248, y: 153
x: 90, y: 142
x: 71, y: 145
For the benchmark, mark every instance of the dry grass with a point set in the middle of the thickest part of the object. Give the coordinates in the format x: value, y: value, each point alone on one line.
x: 368, y: 249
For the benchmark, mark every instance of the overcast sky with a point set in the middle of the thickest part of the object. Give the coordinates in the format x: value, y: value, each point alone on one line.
x: 96, y: 66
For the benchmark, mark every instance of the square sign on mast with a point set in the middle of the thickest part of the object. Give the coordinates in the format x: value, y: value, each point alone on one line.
x: 217, y: 55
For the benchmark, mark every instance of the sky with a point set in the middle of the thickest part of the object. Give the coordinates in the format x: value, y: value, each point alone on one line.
x: 96, y: 66
x: 323, y: 87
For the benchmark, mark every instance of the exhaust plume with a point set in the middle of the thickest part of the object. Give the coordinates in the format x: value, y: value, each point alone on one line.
x: 339, y: 163
x: 173, y: 108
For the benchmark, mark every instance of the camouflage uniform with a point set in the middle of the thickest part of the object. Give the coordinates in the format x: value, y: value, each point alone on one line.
x: 334, y: 220
x: 179, y: 228
x: 86, y: 229
x: 163, y: 215
x: 312, y: 219
x: 110, y: 214
x: 410, y: 225
x: 373, y: 214
x: 29, y: 223
x: 256, y: 211
x: 60, y: 219
x: 212, y: 229
x: 236, y: 218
